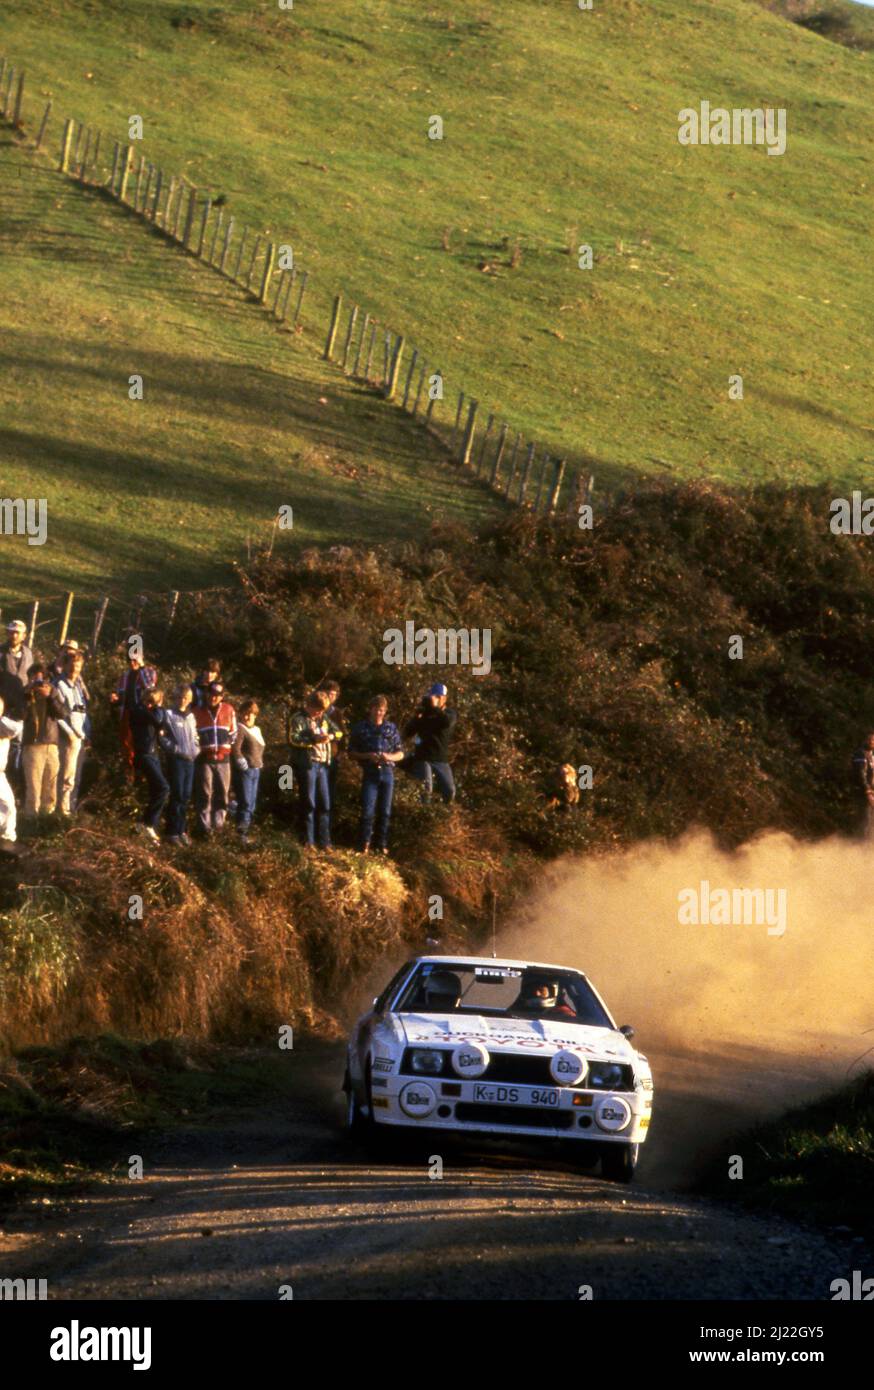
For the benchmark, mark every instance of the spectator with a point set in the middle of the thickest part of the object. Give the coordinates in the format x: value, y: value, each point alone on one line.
x: 72, y: 716
x: 863, y: 781
x: 9, y: 729
x: 182, y: 745
x: 57, y: 667
x: 432, y: 727
x: 146, y: 724
x: 376, y: 744
x: 312, y: 741
x: 40, y: 739
x: 128, y: 695
x: 335, y: 717
x: 211, y: 672
x: 248, y: 761
x: 216, y: 730
x: 16, y: 659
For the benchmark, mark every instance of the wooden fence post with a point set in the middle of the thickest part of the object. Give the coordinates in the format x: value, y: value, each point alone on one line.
x: 156, y: 198
x: 523, y: 481
x: 419, y: 389
x: 370, y: 348
x: 236, y: 275
x: 127, y: 164
x: 364, y: 327
x: 332, y: 331
x: 43, y: 123
x: 258, y: 240
x: 207, y: 209
x: 174, y: 600
x: 229, y: 232
x: 215, y: 235
x: 8, y: 97
x: 512, y: 473
x: 394, y: 369
x: 467, y: 442
x: 115, y: 157
x: 65, y: 621
x: 99, y: 615
x: 431, y: 402
x: 457, y: 420
x: 386, y: 358
x: 33, y: 616
x: 484, y: 445
x: 189, y: 218
x: 135, y: 201
x: 556, y: 486
x: 269, y: 262
x: 499, y: 453
x: 290, y: 277
x: 65, y: 145
x: 95, y: 153
x: 19, y: 97
x: 83, y: 163
x: 413, y: 360
x: 353, y: 319
x: 303, y: 285
x: 543, y: 468
x: 147, y: 192
x: 282, y: 280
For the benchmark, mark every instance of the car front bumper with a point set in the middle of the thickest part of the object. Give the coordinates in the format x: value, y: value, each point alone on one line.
x: 482, y: 1107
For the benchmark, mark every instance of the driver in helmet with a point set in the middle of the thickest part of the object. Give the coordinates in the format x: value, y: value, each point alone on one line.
x: 540, y: 995
x: 441, y: 992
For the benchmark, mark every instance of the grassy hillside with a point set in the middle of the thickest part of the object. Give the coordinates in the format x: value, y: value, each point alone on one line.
x: 560, y: 127
x: 238, y: 416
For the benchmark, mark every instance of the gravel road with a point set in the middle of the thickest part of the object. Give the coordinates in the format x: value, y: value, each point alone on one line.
x: 247, y: 1208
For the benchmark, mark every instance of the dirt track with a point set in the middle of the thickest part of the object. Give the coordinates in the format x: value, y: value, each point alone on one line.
x: 239, y: 1212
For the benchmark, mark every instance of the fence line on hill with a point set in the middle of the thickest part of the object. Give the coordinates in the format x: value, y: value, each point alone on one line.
x: 521, y: 471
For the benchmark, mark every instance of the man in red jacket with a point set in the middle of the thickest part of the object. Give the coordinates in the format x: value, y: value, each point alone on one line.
x: 216, y: 729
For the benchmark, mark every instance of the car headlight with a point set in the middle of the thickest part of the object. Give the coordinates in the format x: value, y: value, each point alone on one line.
x: 427, y: 1061
x: 606, y: 1076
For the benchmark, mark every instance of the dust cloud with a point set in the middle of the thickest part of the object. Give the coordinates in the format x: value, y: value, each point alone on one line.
x: 738, y: 1023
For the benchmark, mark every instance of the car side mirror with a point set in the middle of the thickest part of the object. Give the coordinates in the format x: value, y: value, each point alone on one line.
x: 627, y: 1031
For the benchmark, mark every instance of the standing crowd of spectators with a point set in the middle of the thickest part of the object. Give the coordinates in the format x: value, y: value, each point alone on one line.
x: 197, y: 755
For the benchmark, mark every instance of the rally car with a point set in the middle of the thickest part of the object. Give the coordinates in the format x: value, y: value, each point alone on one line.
x: 484, y: 1047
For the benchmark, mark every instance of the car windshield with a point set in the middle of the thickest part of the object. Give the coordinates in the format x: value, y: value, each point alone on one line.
x: 502, y: 991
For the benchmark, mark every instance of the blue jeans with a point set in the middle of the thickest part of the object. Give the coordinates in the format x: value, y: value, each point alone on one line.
x: 428, y: 773
x: 377, y: 789
x: 246, y: 786
x: 315, y: 804
x: 181, y: 772
x: 149, y: 764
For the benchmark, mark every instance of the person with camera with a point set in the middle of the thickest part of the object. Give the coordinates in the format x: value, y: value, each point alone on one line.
x: 40, y: 742
x: 72, y: 706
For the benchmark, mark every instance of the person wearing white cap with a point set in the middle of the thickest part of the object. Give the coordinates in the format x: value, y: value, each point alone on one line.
x: 9, y: 730
x: 16, y: 659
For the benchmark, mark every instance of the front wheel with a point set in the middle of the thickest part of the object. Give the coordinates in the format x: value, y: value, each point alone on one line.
x: 618, y: 1162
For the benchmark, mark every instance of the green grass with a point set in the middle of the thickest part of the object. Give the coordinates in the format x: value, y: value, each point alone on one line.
x: 238, y: 415
x: 815, y: 1163
x: 313, y: 122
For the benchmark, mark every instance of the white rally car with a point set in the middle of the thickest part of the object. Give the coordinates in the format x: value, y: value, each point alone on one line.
x: 478, y: 1046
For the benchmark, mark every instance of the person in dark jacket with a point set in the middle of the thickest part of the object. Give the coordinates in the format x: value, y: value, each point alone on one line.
x: 216, y: 729
x: 376, y: 744
x: 130, y: 693
x: 248, y: 756
x: 146, y: 723
x: 212, y: 671
x: 16, y: 659
x: 431, y: 728
x: 39, y: 743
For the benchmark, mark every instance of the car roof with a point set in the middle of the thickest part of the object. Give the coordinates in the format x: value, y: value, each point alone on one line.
x: 492, y: 961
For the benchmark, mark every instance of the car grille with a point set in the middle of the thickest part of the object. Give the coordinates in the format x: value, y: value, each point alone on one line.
x: 519, y: 1116
x: 520, y: 1069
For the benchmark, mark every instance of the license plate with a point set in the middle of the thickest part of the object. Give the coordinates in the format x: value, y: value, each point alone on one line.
x: 514, y: 1095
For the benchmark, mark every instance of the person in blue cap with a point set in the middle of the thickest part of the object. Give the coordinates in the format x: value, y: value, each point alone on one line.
x: 431, y: 728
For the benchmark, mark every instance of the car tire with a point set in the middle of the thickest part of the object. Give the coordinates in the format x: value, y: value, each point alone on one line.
x: 360, y: 1126
x: 579, y: 1155
x: 618, y: 1162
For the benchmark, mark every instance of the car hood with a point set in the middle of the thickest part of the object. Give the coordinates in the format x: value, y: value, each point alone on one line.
x: 514, y: 1034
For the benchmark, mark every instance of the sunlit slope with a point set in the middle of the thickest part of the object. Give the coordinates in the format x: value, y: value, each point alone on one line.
x: 237, y: 418
x: 560, y: 127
